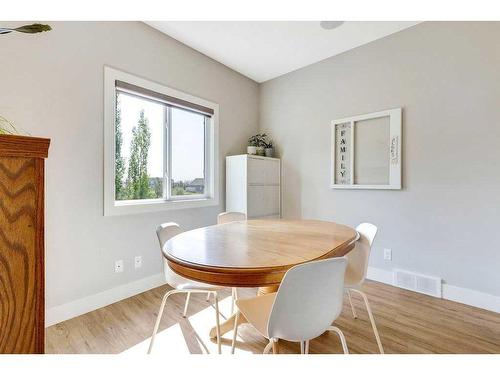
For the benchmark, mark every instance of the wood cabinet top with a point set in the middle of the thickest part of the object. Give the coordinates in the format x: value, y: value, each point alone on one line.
x: 23, y: 146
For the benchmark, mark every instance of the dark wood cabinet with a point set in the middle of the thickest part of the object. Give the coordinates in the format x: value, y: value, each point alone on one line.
x: 22, y: 243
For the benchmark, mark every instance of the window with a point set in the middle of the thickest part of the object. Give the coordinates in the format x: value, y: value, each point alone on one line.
x: 188, y: 153
x: 160, y: 147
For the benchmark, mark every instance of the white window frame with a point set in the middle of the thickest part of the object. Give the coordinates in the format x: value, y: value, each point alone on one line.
x: 211, y: 195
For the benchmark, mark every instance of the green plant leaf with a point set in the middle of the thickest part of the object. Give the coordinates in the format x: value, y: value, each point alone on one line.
x: 33, y: 29
x: 7, y: 127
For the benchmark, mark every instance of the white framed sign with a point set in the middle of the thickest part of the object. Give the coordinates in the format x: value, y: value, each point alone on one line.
x: 366, y: 151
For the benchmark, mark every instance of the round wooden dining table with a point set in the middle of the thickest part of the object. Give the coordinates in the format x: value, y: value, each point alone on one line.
x: 254, y: 253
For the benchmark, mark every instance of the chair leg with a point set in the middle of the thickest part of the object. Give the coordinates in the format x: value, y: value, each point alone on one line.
x: 268, y: 347
x: 208, y: 296
x: 276, y: 348
x: 158, y: 319
x: 372, y: 321
x: 342, y: 338
x: 306, y: 349
x: 352, y: 306
x: 235, y: 331
x: 302, y: 347
x: 234, y: 297
x: 217, y: 322
x: 232, y: 301
x: 187, y: 304
x: 162, y: 307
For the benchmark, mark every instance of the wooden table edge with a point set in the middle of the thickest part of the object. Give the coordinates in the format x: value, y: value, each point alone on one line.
x: 245, y: 277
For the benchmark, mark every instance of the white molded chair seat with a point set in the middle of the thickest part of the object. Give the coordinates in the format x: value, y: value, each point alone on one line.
x: 357, y: 267
x: 182, y: 285
x: 351, y: 280
x: 228, y: 217
x: 198, y: 286
x: 308, y: 299
x: 257, y: 311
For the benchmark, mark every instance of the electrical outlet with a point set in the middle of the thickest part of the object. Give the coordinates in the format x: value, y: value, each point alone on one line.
x: 387, y: 254
x: 119, y: 266
x: 138, y: 261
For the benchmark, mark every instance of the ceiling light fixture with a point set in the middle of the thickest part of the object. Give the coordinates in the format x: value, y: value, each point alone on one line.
x: 329, y: 25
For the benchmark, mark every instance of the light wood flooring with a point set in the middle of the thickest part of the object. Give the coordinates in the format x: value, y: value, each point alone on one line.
x: 408, y: 323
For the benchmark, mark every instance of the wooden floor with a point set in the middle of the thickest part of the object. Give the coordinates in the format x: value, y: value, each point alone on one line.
x: 408, y: 323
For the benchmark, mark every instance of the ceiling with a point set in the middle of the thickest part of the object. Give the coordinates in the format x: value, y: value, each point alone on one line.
x: 262, y: 50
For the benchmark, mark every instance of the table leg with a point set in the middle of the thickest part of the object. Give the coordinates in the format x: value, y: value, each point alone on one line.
x: 267, y: 289
x: 228, y: 325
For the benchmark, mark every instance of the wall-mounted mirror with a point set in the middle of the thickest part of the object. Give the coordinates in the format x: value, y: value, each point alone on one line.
x: 366, y: 151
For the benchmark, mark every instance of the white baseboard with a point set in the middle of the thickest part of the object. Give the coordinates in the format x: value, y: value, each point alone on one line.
x: 471, y: 297
x: 380, y: 275
x: 84, y: 305
x: 450, y: 292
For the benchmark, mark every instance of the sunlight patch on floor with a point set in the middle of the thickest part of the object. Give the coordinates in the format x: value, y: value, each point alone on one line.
x: 190, y: 335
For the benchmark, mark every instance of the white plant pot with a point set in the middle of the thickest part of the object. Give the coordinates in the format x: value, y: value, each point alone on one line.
x: 251, y: 150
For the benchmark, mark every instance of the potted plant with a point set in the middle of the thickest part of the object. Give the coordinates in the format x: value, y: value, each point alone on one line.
x: 269, y: 149
x: 252, y: 146
x: 256, y: 144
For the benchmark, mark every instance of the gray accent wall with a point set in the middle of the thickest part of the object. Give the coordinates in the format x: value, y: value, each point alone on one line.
x: 51, y: 85
x: 446, y: 75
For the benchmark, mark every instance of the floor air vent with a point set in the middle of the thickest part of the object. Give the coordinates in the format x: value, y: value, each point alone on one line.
x: 418, y: 283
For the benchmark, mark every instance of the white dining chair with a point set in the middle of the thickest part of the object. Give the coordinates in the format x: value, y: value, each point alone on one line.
x: 308, y: 300
x: 357, y: 266
x: 229, y: 217
x: 182, y: 285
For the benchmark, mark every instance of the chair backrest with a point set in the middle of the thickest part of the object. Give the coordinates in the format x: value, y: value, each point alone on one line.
x: 227, y: 217
x: 357, y: 258
x: 308, y: 300
x: 165, y: 232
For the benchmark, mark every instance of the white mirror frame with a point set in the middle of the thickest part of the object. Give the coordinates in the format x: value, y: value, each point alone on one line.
x: 395, y: 142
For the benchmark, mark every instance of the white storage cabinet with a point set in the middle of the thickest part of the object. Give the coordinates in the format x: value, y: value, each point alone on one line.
x: 253, y: 186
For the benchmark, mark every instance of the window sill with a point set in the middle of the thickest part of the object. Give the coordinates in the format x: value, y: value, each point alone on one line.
x: 131, y: 207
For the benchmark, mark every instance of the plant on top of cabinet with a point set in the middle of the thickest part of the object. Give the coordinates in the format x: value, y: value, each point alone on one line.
x: 258, y: 143
x: 269, y: 149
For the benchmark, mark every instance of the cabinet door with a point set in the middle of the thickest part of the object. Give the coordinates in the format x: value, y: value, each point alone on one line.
x: 263, y: 172
x: 263, y: 201
x: 20, y: 262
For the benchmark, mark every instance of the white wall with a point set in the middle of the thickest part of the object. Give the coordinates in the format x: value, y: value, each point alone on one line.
x: 445, y: 222
x: 51, y: 85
